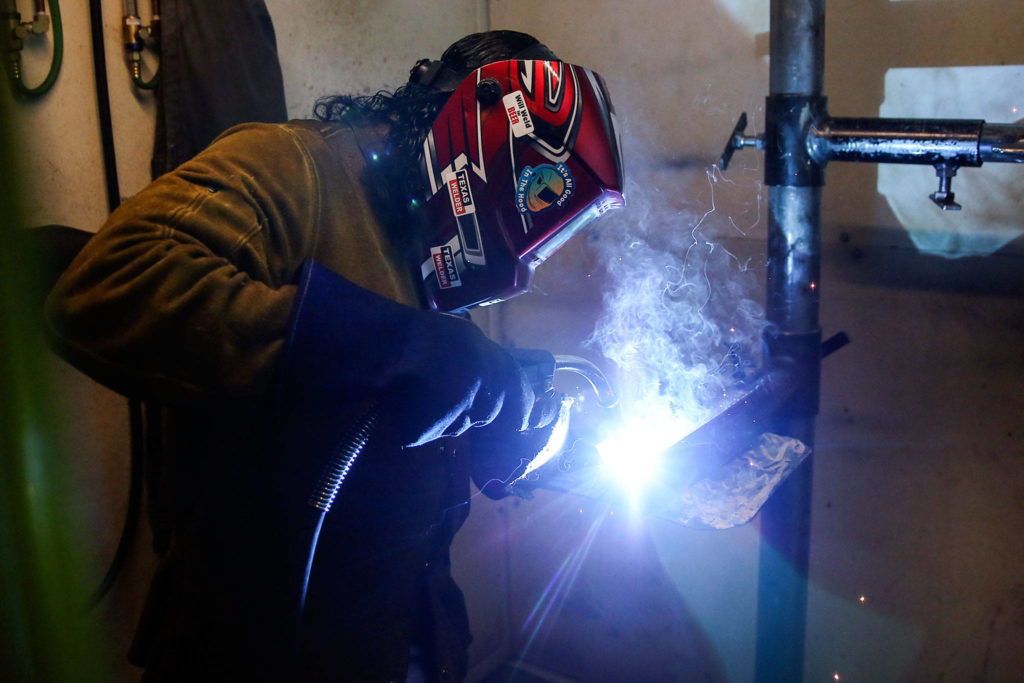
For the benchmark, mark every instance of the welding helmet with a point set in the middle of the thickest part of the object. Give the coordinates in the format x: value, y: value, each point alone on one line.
x: 522, y: 156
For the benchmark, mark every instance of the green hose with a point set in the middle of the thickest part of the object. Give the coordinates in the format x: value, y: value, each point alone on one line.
x: 55, y: 63
x: 147, y: 85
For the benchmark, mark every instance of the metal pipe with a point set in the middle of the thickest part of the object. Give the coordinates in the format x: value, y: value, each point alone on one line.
x: 800, y: 139
x: 794, y: 260
x: 731, y: 432
x: 797, y: 47
x: 795, y: 104
x: 1002, y: 142
x: 957, y: 142
x: 899, y: 141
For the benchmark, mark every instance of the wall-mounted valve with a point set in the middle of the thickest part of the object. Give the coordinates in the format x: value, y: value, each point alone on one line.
x: 137, y: 38
x: 19, y: 31
x: 39, y: 25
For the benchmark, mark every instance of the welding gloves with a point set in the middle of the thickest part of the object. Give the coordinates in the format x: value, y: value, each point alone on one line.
x: 436, y: 374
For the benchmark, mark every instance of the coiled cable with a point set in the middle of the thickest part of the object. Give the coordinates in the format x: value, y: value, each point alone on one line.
x: 351, y: 445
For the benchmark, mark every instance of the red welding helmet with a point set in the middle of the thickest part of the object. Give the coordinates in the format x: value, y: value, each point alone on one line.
x: 523, y: 155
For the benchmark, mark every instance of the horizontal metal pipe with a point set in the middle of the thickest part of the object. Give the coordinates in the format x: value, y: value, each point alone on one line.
x: 959, y: 142
x: 897, y: 141
x: 1002, y: 142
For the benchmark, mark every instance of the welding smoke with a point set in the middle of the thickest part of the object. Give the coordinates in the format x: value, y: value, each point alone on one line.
x: 681, y: 321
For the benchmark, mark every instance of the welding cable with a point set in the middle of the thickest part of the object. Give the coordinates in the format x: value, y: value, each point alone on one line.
x: 320, y: 501
x: 55, y: 63
x: 133, y: 510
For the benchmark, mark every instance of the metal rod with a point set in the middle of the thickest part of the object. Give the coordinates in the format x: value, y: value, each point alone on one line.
x: 797, y: 49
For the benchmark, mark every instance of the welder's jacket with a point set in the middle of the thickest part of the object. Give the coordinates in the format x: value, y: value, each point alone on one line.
x: 183, y: 298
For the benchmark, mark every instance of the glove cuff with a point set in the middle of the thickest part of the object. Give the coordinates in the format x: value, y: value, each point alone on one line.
x: 341, y: 339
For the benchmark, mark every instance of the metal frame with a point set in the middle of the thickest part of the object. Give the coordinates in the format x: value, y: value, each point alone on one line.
x: 800, y: 139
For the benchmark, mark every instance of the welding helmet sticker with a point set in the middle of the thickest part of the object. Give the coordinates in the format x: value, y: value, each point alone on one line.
x: 518, y: 114
x: 459, y: 192
x: 444, y: 267
x: 542, y: 187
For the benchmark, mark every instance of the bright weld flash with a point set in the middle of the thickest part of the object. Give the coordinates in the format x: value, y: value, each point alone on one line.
x: 632, y: 456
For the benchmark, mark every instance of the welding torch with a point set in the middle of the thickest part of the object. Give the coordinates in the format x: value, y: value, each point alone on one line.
x: 538, y: 365
x: 701, y: 453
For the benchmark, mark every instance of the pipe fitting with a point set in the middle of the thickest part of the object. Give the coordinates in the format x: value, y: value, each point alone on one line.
x: 789, y: 120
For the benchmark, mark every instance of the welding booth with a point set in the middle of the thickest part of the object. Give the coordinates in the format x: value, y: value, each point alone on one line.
x: 811, y: 312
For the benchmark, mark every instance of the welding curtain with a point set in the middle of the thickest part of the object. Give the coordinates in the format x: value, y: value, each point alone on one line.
x: 218, y: 67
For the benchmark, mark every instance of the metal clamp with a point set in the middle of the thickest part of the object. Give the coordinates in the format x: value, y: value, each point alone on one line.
x: 944, y: 196
x: 738, y: 141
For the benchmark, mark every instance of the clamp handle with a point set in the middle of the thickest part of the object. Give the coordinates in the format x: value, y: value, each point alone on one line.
x: 944, y: 197
x: 738, y: 141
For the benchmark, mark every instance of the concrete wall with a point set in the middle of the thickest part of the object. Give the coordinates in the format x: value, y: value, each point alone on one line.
x: 918, y: 501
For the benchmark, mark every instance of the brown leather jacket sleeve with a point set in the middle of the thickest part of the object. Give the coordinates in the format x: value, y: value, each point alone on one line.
x: 184, y: 291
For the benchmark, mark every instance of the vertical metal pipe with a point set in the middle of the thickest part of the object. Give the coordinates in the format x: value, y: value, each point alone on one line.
x: 797, y: 47
x: 793, y: 333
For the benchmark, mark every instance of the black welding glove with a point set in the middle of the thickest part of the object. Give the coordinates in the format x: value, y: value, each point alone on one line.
x: 498, y: 460
x: 435, y: 374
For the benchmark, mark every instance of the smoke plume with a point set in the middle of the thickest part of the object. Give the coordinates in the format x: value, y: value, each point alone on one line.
x: 682, y: 316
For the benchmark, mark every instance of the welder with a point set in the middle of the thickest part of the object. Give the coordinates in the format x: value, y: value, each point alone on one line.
x: 289, y: 279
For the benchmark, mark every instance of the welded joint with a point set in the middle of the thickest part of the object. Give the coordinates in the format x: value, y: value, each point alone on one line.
x: 800, y: 354
x: 789, y: 120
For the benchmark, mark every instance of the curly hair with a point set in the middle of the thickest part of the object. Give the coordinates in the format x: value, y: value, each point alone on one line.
x: 409, y: 111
